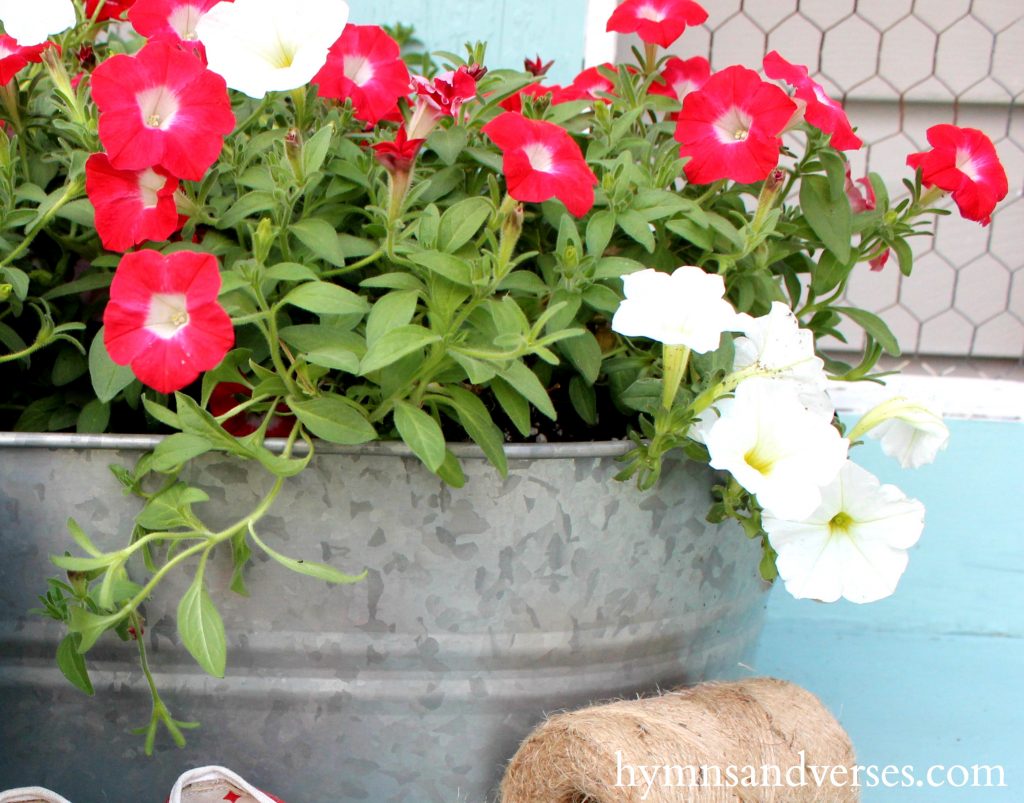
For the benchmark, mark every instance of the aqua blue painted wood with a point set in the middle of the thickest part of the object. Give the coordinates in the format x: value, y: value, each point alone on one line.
x: 932, y: 675
x: 514, y: 30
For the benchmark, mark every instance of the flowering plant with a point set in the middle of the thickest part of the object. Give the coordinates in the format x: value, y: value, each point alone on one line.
x: 252, y: 226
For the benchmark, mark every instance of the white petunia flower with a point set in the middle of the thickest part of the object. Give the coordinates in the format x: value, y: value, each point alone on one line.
x: 686, y: 308
x: 775, y: 447
x: 261, y: 46
x: 910, y: 431
x: 30, y: 23
x: 854, y: 545
x: 776, y: 346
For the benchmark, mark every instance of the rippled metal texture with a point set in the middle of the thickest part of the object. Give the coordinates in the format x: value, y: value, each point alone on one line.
x: 483, y: 609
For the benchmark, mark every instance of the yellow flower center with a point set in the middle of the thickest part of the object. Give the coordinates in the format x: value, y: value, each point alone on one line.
x: 840, y: 523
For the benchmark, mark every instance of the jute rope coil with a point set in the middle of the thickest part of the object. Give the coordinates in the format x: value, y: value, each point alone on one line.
x: 687, y: 741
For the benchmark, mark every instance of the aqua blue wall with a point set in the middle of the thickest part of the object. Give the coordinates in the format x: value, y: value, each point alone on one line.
x: 934, y: 674
x: 514, y: 29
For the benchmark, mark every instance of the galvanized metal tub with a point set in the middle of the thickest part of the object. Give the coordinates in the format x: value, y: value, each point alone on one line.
x: 484, y: 608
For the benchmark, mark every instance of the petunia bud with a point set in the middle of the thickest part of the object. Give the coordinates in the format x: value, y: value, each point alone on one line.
x: 293, y: 150
x: 537, y: 66
x: 263, y: 240
x: 5, y: 291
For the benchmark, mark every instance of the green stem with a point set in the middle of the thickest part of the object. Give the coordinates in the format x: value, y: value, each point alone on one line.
x: 71, y: 192
x: 362, y: 263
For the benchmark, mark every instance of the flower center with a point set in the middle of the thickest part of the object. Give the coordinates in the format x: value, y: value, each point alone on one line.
x: 158, y: 106
x: 651, y: 13
x: 539, y: 157
x: 183, y: 20
x: 358, y: 70
x: 759, y: 461
x: 965, y: 164
x: 733, y: 126
x: 168, y: 314
x: 283, y: 55
x: 840, y: 523
x: 150, y: 184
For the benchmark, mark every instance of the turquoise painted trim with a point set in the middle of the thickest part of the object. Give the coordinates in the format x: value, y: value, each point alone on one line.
x: 934, y: 674
x: 514, y: 29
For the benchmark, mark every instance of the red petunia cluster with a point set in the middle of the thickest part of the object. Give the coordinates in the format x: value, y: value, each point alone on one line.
x: 163, y: 117
x: 680, y: 77
x: 441, y: 97
x: 172, y: 21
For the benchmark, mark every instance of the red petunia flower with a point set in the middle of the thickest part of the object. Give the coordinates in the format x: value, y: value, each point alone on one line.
x: 172, y: 20
x: 226, y: 396
x: 537, y: 67
x: 679, y: 78
x: 132, y: 206
x: 822, y: 112
x: 878, y: 263
x: 161, y: 107
x: 589, y: 85
x: 731, y: 127
x: 657, y: 22
x: 542, y: 161
x: 163, y: 318
x: 112, y: 9
x: 443, y: 96
x: 399, y: 155
x: 860, y: 201
x: 963, y: 161
x: 365, y: 64
x: 14, y: 57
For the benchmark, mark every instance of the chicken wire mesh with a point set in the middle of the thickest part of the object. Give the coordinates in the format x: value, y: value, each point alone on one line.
x: 901, y: 66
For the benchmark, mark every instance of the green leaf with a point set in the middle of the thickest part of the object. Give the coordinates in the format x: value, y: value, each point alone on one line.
x: 449, y: 143
x: 428, y: 226
x: 453, y: 268
x: 201, y: 628
x: 421, y: 433
x: 71, y: 663
x: 391, y: 311
x: 636, y: 227
x: 874, y: 326
x: 461, y: 222
x: 290, y: 272
x: 831, y: 221
x: 246, y: 206
x: 18, y: 280
x: 90, y: 626
x: 171, y: 508
x: 321, y: 571
x: 333, y: 418
x: 83, y: 540
x: 93, y: 418
x: 835, y: 170
x: 108, y: 378
x: 584, y: 399
x: 315, y: 150
x: 92, y: 281
x: 324, y: 298
x: 451, y: 471
x: 584, y: 352
x: 477, y: 422
x: 599, y: 232
x: 904, y: 255
x: 75, y: 564
x: 320, y: 237
x: 176, y: 450
x: 515, y: 406
x: 828, y: 273
x: 160, y: 413
x: 335, y: 357
x: 392, y: 346
x: 529, y: 386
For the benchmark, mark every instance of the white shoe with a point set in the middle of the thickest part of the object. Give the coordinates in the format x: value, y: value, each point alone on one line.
x: 210, y: 785
x: 31, y: 794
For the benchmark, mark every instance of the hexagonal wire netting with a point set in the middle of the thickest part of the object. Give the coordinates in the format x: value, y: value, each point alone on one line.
x: 901, y: 66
